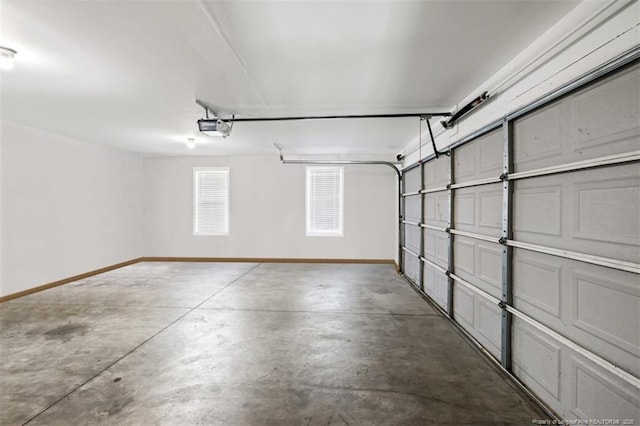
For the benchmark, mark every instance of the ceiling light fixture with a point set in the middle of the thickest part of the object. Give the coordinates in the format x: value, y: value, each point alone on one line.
x: 191, y: 143
x: 7, y: 56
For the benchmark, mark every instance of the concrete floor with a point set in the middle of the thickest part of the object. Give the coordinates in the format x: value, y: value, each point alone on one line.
x: 244, y: 344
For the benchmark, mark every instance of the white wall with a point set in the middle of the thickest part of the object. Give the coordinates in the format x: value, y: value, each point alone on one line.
x: 267, y: 211
x: 590, y: 35
x: 68, y: 207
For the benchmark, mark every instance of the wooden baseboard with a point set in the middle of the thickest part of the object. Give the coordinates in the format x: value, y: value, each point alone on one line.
x: 68, y: 280
x: 265, y: 260
x: 190, y: 259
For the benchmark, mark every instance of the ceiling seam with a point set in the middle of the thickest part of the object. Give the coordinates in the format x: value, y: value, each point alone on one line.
x: 216, y: 26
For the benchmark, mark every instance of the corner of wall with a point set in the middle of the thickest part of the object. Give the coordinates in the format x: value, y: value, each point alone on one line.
x: 58, y: 197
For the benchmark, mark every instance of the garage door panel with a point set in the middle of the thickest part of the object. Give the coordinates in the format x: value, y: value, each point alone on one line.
x: 539, y: 137
x: 598, y: 120
x: 489, y: 319
x: 463, y: 306
x: 479, y: 159
x: 464, y: 208
x: 436, y: 285
x: 537, y: 361
x: 605, y: 115
x: 412, y: 208
x: 536, y: 283
x: 441, y: 289
x: 596, y: 307
x: 437, y: 247
x: 489, y: 158
x: 429, y: 280
x: 490, y: 208
x: 603, y: 209
x: 570, y: 384
x: 479, y: 263
x: 429, y: 245
x: 489, y: 263
x: 412, y: 180
x: 412, y: 267
x: 436, y: 172
x: 464, y: 163
x: 464, y: 257
x: 412, y: 238
x: 478, y: 209
x: 591, y: 211
x: 597, y: 394
x: 538, y: 208
x: 607, y: 309
x: 436, y: 208
x: 478, y: 316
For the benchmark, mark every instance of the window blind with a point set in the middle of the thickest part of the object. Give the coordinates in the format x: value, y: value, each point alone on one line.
x: 211, y: 201
x: 324, y: 201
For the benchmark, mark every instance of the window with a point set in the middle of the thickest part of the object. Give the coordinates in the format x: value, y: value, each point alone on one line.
x: 211, y: 201
x: 324, y: 201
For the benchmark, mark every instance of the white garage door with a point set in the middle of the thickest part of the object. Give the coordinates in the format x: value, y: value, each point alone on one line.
x: 594, y: 212
x: 531, y: 243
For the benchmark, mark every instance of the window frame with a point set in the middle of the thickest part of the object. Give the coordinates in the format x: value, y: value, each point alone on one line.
x: 308, y: 231
x: 196, y: 171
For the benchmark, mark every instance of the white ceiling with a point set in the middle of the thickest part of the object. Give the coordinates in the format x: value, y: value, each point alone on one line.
x: 127, y: 73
